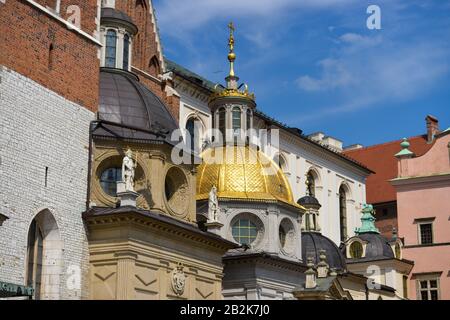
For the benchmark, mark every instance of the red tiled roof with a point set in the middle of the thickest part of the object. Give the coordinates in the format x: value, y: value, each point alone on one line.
x: 380, y: 158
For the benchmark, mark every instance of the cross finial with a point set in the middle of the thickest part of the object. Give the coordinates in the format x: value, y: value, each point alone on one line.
x: 231, y: 26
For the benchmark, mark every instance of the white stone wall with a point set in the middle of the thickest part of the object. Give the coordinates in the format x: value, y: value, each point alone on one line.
x: 40, y: 129
x: 331, y: 174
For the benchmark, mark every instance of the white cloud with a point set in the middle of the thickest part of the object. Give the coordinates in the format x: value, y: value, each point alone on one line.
x: 181, y: 16
x: 369, y: 71
x: 334, y: 75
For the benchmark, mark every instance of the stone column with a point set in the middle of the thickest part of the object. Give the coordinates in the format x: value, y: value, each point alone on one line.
x: 119, y: 51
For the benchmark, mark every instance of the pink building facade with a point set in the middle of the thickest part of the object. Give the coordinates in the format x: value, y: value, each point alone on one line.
x: 423, y: 204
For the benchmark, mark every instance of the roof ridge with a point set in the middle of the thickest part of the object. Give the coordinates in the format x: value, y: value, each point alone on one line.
x: 384, y: 143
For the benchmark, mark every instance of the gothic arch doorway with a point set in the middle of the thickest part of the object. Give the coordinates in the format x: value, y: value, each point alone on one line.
x: 44, y: 257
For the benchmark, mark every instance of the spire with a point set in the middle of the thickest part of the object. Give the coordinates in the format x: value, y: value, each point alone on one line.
x: 231, y: 54
x: 232, y: 89
x: 367, y: 220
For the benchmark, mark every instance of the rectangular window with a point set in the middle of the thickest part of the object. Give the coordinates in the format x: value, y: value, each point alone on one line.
x: 426, y: 233
x: 428, y: 289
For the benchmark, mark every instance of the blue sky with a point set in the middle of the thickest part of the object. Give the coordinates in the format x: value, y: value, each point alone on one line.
x: 315, y: 65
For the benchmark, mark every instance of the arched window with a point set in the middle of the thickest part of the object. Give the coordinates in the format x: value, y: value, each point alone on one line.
x: 193, y: 129
x: 221, y: 121
x: 343, y: 213
x: 249, y: 119
x: 110, y: 53
x: 311, y: 191
x: 356, y: 250
x: 236, y: 119
x: 154, y: 65
x: 126, y: 52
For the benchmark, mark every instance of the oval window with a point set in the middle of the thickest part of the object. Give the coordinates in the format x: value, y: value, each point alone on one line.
x: 356, y: 250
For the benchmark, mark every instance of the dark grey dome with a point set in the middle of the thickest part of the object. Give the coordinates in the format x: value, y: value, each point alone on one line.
x: 313, y: 242
x: 309, y: 201
x: 377, y: 246
x: 116, y: 17
x: 126, y: 101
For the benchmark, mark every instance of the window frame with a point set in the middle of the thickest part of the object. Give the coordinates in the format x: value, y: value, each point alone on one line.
x: 428, y: 278
x: 118, y: 171
x: 116, y: 47
x: 352, y: 246
x: 236, y: 111
x: 419, y: 231
x: 251, y: 225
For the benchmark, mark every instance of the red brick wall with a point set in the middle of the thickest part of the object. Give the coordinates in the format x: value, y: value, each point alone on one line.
x: 144, y: 46
x: 386, y: 215
x: 145, y: 51
x: 71, y: 68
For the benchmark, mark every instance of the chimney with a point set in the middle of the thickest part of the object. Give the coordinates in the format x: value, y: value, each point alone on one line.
x: 432, y: 127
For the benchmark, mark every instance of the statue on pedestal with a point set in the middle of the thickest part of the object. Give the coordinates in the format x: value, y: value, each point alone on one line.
x: 128, y: 169
x: 213, y: 205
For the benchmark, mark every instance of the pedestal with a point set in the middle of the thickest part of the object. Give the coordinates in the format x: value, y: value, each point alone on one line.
x: 127, y: 198
x: 214, y: 227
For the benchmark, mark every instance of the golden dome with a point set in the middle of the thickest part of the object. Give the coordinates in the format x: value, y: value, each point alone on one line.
x: 242, y: 172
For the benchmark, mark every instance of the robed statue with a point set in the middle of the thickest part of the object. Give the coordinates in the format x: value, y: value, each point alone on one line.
x: 128, y: 169
x: 213, y: 205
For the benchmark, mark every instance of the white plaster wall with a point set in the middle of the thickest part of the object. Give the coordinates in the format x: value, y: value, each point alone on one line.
x: 331, y: 176
x: 39, y: 129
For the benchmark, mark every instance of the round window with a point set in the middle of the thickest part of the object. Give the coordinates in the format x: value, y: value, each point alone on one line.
x: 286, y: 233
x: 109, y: 179
x: 244, y: 231
x: 356, y: 250
x: 176, y: 191
x: 282, y: 235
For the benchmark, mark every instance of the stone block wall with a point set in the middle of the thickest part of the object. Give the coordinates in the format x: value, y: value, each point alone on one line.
x: 43, y: 166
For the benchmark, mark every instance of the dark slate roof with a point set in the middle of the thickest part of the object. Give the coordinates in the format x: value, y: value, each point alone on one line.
x: 313, y: 242
x: 112, y: 14
x: 209, y: 85
x: 309, y: 201
x: 377, y: 247
x: 113, y: 131
x: 189, y: 75
x: 126, y: 101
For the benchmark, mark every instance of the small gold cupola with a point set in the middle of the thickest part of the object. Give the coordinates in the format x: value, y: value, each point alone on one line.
x: 232, y: 89
x: 232, y: 105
